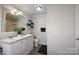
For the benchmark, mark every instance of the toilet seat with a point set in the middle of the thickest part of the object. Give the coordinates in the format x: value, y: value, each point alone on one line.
x: 36, y: 40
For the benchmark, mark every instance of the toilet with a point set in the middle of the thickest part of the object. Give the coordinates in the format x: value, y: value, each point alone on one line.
x: 36, y: 42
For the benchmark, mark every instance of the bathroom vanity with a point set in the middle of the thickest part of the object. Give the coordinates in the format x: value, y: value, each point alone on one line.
x: 19, y: 45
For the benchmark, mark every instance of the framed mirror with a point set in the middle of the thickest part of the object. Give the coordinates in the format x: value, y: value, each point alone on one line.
x: 12, y: 20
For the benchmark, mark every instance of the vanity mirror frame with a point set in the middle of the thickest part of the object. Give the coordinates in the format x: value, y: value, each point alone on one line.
x: 7, y: 11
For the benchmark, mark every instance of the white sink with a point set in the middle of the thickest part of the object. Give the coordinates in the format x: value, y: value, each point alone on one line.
x: 14, y: 39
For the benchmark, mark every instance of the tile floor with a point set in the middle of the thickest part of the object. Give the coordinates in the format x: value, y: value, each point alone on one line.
x: 35, y: 51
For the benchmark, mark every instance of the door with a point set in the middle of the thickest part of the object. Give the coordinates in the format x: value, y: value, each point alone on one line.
x: 77, y: 29
x: 61, y: 29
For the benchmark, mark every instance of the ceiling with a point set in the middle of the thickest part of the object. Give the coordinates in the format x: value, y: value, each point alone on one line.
x: 27, y: 8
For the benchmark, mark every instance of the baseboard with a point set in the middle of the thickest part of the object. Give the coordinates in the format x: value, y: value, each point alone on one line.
x: 42, y: 43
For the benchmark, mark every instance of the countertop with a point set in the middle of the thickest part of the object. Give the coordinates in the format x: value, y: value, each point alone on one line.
x: 14, y: 39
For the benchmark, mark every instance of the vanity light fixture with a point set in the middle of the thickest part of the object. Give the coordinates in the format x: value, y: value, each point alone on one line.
x: 20, y: 13
x: 15, y: 12
x: 12, y: 12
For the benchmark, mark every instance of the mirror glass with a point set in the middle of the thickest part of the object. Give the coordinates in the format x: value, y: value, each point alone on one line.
x: 13, y: 22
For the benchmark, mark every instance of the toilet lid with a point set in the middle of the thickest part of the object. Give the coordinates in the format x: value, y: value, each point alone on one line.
x: 36, y: 40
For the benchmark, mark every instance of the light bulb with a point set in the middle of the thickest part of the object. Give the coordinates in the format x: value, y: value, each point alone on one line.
x: 12, y: 12
x: 20, y: 13
x: 17, y: 14
x: 38, y: 8
x: 15, y: 10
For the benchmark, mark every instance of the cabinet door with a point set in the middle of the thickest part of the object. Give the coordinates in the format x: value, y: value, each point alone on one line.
x: 17, y: 48
x: 25, y: 44
x: 30, y: 42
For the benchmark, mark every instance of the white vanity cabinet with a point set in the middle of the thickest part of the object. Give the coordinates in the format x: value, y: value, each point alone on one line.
x: 29, y: 44
x: 20, y: 47
x: 17, y: 47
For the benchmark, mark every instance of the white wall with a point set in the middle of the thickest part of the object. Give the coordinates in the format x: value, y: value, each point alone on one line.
x: 22, y: 22
x: 77, y: 28
x: 40, y: 21
x: 61, y: 29
x: 0, y: 18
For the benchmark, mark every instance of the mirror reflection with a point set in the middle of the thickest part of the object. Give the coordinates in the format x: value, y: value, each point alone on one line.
x: 11, y: 22
x: 14, y: 21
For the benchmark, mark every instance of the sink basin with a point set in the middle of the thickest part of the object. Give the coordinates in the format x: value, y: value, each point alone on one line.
x: 21, y: 36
